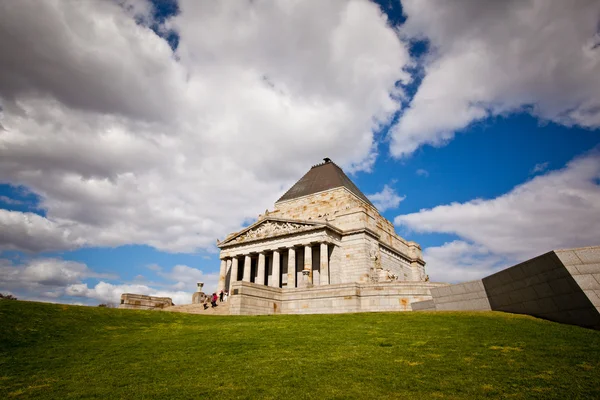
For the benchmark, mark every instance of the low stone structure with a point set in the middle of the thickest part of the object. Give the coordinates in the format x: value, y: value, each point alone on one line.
x: 561, y: 286
x: 250, y: 298
x: 322, y: 245
x: 143, y: 302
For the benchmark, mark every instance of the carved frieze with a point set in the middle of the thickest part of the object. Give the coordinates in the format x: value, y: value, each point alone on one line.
x: 268, y: 229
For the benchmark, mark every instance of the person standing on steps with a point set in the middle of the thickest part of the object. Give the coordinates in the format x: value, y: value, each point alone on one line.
x: 214, y: 300
x: 221, y: 296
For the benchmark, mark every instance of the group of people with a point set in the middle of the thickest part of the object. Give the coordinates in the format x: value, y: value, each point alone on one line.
x: 221, y: 297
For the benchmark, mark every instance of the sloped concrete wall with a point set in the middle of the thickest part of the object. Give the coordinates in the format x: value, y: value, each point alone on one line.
x: 561, y: 286
x: 544, y: 287
x: 463, y: 296
x: 584, y: 265
x: 425, y: 305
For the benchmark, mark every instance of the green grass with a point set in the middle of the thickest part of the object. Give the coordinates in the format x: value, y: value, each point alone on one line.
x: 50, y: 351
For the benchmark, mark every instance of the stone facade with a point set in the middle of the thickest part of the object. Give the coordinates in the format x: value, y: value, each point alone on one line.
x: 252, y: 299
x: 315, y: 240
x: 143, y: 302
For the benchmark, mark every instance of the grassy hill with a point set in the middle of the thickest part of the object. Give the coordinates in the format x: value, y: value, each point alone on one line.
x: 50, y: 351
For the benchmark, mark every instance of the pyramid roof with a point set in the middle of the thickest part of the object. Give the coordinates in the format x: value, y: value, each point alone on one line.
x: 321, y: 177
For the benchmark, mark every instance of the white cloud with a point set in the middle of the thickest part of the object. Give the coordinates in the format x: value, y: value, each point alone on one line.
x: 423, y: 172
x: 43, y: 274
x: 56, y: 280
x: 29, y: 231
x: 126, y: 142
x: 496, y: 57
x: 541, y: 167
x: 560, y: 209
x: 459, y: 261
x: 187, y: 277
x: 386, y: 199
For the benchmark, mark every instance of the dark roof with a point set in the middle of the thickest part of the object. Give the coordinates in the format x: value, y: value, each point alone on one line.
x: 321, y: 177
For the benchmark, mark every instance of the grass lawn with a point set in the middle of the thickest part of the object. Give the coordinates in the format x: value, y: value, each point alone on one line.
x: 50, y: 351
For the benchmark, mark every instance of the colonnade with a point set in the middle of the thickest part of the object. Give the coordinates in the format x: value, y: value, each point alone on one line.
x: 269, y: 274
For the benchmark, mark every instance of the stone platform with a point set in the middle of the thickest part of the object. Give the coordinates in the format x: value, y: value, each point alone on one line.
x: 143, y: 302
x: 252, y: 299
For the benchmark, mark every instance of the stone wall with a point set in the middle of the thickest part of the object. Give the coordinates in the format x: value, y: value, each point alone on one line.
x: 342, y: 209
x: 341, y: 298
x: 251, y: 299
x: 143, y: 302
x: 400, y: 267
x: 356, y: 262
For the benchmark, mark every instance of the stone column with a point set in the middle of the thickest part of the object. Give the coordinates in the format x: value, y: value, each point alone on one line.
x: 292, y: 268
x: 247, y: 268
x: 275, y: 269
x: 222, y: 275
x: 227, y: 272
x: 307, y: 271
x: 324, y: 264
x: 260, y: 278
x: 234, y: 272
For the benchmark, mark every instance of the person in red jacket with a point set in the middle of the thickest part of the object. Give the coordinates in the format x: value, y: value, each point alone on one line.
x: 214, y: 300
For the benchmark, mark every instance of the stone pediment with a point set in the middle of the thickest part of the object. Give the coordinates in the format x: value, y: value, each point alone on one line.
x: 268, y: 228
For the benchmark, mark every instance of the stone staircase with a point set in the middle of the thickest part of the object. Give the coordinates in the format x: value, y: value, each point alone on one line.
x: 221, y: 309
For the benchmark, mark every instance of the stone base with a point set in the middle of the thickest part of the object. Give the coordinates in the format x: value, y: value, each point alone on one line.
x: 199, y: 297
x: 252, y: 299
x: 143, y: 302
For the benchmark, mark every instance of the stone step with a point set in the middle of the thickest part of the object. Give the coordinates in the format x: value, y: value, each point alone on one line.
x: 221, y: 309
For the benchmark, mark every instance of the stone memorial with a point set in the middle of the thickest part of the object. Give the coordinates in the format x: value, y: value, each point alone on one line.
x: 324, y: 248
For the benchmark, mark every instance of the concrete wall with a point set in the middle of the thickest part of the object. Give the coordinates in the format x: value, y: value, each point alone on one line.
x: 341, y: 298
x: 425, y: 305
x: 463, y: 296
x: 545, y: 287
x: 561, y: 286
x: 584, y: 266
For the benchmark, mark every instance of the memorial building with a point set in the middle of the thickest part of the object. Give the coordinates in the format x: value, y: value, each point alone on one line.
x: 324, y: 248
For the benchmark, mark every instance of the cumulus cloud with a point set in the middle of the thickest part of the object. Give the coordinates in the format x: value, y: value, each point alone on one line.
x: 386, y: 199
x: 56, y: 280
x: 27, y: 231
x: 126, y: 141
x: 459, y: 261
x: 541, y: 167
x: 44, y: 274
x: 560, y: 209
x: 495, y: 57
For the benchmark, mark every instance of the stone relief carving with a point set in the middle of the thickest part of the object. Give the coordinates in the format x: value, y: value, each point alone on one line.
x: 270, y: 228
x: 374, y: 255
x: 380, y: 275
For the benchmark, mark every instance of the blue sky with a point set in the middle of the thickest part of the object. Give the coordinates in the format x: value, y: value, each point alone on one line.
x: 119, y: 168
